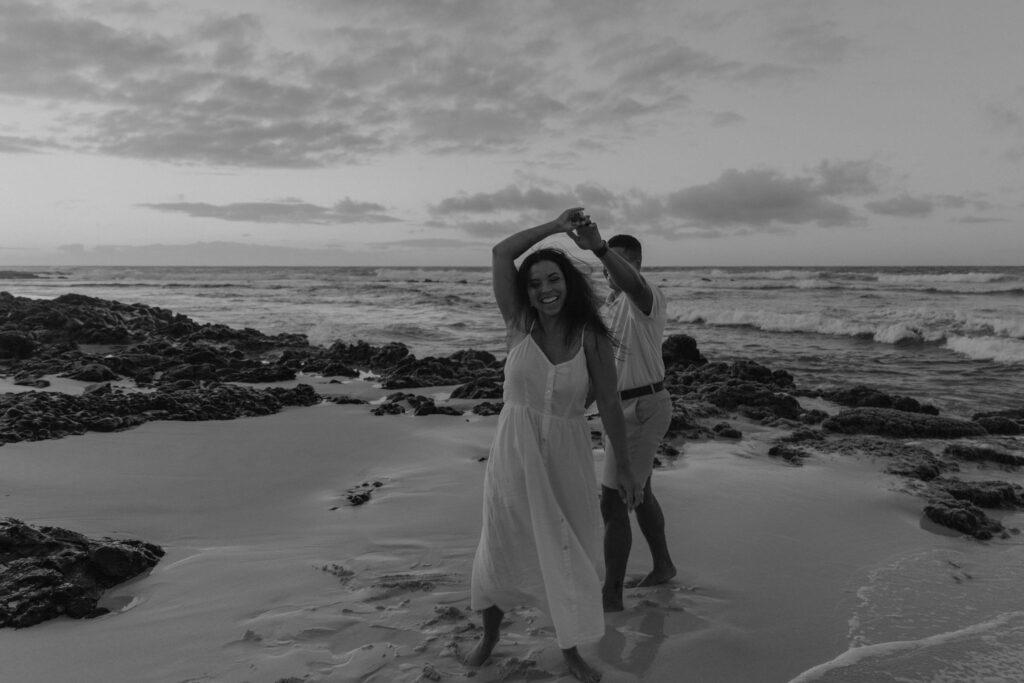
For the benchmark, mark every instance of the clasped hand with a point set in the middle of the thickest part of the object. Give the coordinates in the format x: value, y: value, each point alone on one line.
x: 632, y: 493
x: 580, y: 228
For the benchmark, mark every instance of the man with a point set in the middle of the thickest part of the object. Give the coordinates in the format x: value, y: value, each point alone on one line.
x: 635, y: 312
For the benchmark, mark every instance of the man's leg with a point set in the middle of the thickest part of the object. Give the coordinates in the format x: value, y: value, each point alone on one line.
x: 618, y: 539
x: 652, y: 524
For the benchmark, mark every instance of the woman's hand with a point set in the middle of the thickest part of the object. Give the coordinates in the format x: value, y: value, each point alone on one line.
x: 571, y: 219
x: 631, y: 491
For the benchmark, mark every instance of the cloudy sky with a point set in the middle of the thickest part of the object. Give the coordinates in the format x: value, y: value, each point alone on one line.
x: 419, y: 132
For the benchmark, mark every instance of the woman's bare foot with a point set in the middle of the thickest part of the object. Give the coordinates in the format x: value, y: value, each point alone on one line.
x: 481, y: 652
x: 579, y: 668
x: 657, y: 577
x: 492, y: 617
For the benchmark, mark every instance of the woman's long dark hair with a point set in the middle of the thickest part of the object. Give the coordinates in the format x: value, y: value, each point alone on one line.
x: 582, y: 306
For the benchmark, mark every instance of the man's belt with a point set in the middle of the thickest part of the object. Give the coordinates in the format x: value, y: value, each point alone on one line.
x: 641, y: 391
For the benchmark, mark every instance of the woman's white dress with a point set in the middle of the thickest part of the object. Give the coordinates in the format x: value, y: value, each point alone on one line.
x: 541, y: 543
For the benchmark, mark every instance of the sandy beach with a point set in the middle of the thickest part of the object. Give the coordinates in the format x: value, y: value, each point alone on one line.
x: 272, y: 574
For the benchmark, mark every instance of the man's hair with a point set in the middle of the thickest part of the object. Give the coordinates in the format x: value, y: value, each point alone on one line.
x: 581, y: 308
x: 627, y: 242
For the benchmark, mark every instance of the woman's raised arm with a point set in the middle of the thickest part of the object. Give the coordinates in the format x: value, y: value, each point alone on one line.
x: 505, y: 253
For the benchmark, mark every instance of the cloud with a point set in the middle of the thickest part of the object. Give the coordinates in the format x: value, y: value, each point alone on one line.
x: 343, y: 84
x: 856, y: 178
x: 199, y: 254
x: 1004, y: 118
x: 286, y: 212
x: 510, y: 198
x: 421, y: 243
x: 903, y: 205
x: 736, y: 203
x: 763, y: 198
x: 814, y: 42
x: 981, y: 219
x: 16, y: 145
x: 727, y: 118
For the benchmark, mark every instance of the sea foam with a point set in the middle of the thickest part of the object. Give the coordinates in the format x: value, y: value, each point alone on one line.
x: 987, y: 651
x: 998, y: 349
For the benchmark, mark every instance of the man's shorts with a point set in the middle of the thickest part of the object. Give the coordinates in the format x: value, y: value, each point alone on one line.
x: 647, y: 420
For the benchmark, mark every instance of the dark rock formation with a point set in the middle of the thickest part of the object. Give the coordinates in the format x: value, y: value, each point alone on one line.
x: 486, y: 408
x: 1009, y: 421
x: 861, y: 396
x: 357, y: 495
x: 746, y: 395
x: 15, y: 345
x: 813, y: 416
x: 34, y: 415
x: 965, y: 517
x: 395, y: 404
x: 900, y: 424
x: 982, y: 454
x: 997, y: 424
x: 458, y: 368
x: 46, y: 572
x: 923, y: 466
x: 343, y: 399
x: 485, y: 387
x: 985, y: 494
x: 792, y: 454
x: 726, y: 431
x: 680, y: 351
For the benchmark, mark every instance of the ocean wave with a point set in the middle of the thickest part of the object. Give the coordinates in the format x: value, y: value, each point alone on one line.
x: 979, y: 337
x: 218, y: 285
x: 979, y: 277
x: 469, y: 275
x: 404, y: 331
x: 998, y: 349
x: 986, y: 651
x: 811, y: 323
x: 1009, y: 290
x: 780, y: 274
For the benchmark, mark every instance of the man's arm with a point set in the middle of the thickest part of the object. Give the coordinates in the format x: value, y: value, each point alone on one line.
x: 629, y: 280
x: 626, y: 277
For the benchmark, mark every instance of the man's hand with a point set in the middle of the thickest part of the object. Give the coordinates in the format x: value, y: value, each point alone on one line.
x: 587, y: 236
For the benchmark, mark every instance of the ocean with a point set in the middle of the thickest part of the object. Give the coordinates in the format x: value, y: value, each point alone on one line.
x: 950, y: 336
x: 953, y: 337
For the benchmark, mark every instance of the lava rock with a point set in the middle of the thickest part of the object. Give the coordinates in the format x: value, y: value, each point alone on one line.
x: 46, y: 572
x: 899, y: 423
x: 965, y: 517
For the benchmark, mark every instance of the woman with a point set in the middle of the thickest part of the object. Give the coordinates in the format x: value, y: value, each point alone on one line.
x: 541, y: 539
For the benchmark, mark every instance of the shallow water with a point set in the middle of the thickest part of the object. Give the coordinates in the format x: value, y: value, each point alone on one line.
x: 953, y: 614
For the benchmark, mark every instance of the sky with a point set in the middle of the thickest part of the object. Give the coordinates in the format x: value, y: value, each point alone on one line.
x: 422, y: 132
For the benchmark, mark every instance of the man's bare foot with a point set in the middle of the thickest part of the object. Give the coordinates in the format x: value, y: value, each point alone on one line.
x: 657, y: 577
x: 480, y: 653
x: 579, y: 668
x: 612, y: 602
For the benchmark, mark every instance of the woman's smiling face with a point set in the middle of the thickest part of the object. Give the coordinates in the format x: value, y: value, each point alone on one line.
x: 545, y: 285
